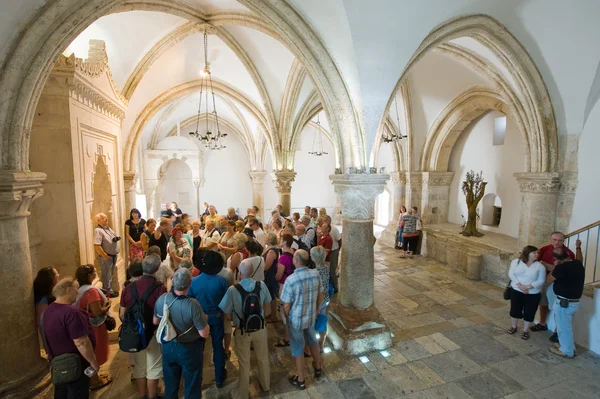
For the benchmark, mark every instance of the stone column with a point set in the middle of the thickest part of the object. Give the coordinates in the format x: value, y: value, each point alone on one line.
x: 283, y: 183
x: 539, y: 194
x: 19, y: 349
x: 197, y: 185
x: 435, y: 196
x: 414, y: 191
x: 358, y: 193
x: 258, y: 190
x: 355, y: 325
x: 129, y: 185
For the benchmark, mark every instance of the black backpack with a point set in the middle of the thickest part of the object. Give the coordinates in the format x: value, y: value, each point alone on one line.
x: 252, y: 319
x: 137, y: 328
x: 302, y: 245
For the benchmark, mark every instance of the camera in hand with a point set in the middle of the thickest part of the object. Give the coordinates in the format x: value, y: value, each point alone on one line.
x: 116, y: 239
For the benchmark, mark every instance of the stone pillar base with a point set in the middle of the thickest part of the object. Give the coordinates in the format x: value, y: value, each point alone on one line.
x: 389, y: 235
x: 357, y: 332
x: 36, y: 383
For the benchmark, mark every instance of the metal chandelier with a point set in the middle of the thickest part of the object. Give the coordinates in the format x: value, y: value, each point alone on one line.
x: 212, y: 136
x: 390, y: 136
x: 318, y: 151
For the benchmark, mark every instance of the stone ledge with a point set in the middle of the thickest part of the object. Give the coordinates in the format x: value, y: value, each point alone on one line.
x: 357, y: 332
x: 444, y: 244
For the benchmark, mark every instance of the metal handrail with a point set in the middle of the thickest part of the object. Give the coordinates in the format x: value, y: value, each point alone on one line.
x: 588, y: 247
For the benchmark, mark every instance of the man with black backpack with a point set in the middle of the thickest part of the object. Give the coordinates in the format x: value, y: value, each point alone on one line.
x: 137, y: 331
x: 309, y: 238
x: 246, y: 302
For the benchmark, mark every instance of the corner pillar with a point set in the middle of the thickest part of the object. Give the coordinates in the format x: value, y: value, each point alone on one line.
x: 283, y: 183
x: 435, y: 196
x: 22, y: 365
x: 258, y: 190
x: 129, y: 184
x: 398, y: 197
x: 539, y: 195
x: 355, y: 331
x: 414, y: 189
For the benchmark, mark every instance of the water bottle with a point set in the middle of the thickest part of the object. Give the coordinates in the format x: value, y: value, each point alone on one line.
x: 90, y: 371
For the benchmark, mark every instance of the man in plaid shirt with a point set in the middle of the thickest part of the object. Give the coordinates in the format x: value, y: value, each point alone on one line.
x: 301, y: 298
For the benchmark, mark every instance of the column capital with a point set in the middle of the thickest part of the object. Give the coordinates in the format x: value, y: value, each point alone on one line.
x: 437, y: 178
x: 358, y: 193
x: 283, y: 180
x: 545, y: 182
x: 130, y: 180
x: 257, y: 176
x: 18, y: 190
x: 414, y: 178
x: 398, y: 178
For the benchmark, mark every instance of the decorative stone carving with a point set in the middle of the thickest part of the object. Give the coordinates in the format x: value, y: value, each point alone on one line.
x: 283, y: 181
x: 437, y: 178
x: 130, y: 181
x: 18, y: 190
x: 398, y: 178
x: 258, y: 176
x: 358, y: 193
x: 538, y: 182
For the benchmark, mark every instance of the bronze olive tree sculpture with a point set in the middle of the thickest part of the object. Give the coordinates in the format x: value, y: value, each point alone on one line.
x: 474, y: 189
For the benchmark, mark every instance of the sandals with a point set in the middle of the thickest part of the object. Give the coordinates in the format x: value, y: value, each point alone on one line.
x: 103, y: 382
x: 282, y: 343
x: 512, y: 330
x: 301, y: 385
x: 539, y: 327
x: 525, y: 335
x: 318, y: 372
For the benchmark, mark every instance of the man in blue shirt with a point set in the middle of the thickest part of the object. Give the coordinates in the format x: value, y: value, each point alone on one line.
x: 209, y: 289
x: 232, y: 305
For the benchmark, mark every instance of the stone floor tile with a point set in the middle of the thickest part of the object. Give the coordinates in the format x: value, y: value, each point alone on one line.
x: 293, y: 395
x: 412, y: 350
x: 382, y: 387
x: 444, y: 342
x: 467, y: 336
x: 406, y: 381
x: 430, y: 345
x: 429, y: 377
x: 522, y: 346
x: 356, y: 388
x: 415, y: 395
x: 478, y: 319
x: 490, y: 329
x: 444, y: 296
x: 461, y: 322
x: 529, y: 373
x: 488, y: 385
x: 521, y: 395
x: 488, y: 353
x: 453, y: 365
x: 396, y: 357
x: 447, y: 391
x: 329, y: 390
x: 419, y: 320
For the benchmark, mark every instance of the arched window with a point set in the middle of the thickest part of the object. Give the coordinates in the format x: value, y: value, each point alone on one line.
x: 383, y: 214
x: 491, y: 210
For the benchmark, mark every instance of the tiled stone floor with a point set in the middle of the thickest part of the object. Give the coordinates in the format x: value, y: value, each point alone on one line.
x: 449, y: 343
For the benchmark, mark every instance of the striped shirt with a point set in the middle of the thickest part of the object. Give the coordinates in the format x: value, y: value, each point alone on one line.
x: 301, y: 290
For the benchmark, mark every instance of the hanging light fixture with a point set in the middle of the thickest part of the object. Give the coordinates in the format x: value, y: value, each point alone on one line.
x: 319, y: 149
x: 390, y: 136
x: 212, y: 136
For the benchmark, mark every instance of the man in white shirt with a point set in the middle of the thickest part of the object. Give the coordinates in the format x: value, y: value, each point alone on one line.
x: 259, y: 234
x: 210, y: 237
x: 335, y: 252
x: 309, y: 238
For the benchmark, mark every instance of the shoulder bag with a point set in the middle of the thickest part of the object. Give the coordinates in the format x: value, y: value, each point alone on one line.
x: 65, y: 368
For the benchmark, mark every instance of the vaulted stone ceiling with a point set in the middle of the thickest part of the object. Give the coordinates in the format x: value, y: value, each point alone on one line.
x: 263, y: 91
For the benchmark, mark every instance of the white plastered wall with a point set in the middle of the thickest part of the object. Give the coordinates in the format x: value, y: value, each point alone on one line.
x: 474, y: 150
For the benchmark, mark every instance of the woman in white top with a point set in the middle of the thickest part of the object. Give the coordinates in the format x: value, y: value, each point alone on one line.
x: 527, y: 277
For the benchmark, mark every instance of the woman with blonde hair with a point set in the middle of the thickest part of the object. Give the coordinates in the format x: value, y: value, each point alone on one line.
x: 240, y: 253
x: 322, y: 212
x: 225, y: 244
x: 239, y: 226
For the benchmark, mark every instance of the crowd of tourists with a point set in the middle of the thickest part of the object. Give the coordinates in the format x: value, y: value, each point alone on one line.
x: 220, y: 277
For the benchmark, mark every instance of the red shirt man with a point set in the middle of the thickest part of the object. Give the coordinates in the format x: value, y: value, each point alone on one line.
x: 326, y: 241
